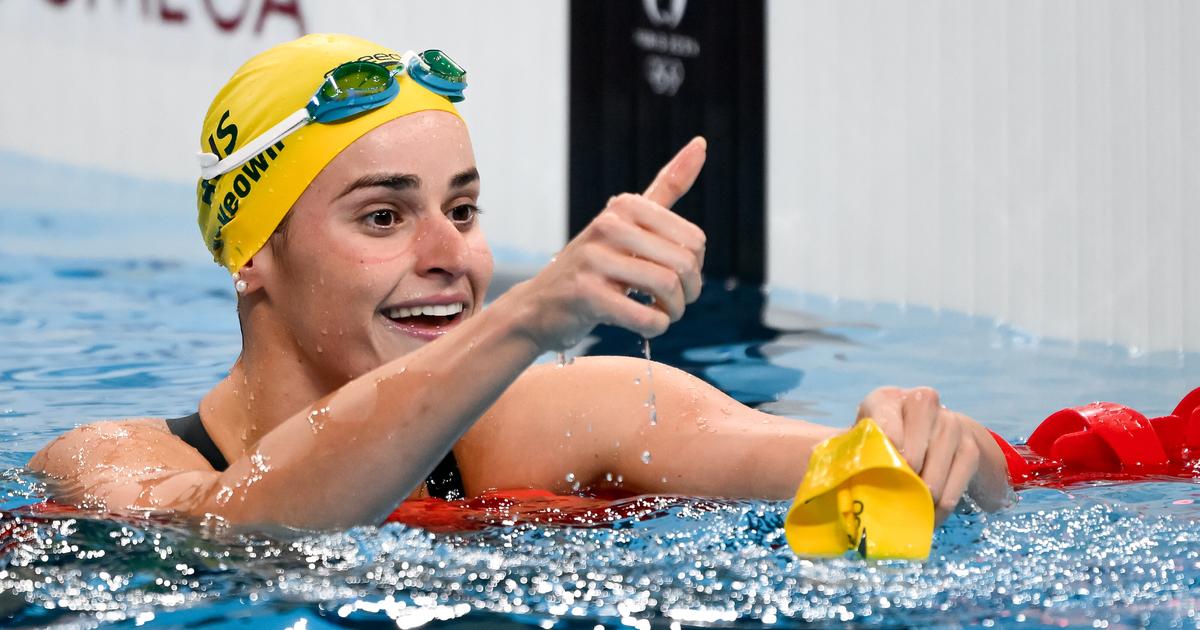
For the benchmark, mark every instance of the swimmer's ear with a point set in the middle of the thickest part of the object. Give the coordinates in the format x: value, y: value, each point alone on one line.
x: 261, y: 267
x: 250, y: 278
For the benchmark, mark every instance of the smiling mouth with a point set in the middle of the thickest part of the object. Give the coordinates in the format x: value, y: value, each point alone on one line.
x: 425, y: 318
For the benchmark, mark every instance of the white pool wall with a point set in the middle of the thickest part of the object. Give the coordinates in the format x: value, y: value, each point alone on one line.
x: 1033, y: 162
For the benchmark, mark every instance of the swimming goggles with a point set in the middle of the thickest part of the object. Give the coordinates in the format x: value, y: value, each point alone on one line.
x: 349, y: 90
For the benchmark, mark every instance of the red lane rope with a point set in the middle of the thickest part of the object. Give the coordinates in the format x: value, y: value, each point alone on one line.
x: 1106, y: 441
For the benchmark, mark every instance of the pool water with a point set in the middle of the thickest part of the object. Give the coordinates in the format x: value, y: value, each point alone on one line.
x: 83, y: 339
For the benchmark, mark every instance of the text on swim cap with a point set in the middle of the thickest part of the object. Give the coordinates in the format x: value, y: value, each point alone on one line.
x: 224, y: 131
x: 379, y: 57
x: 243, y: 181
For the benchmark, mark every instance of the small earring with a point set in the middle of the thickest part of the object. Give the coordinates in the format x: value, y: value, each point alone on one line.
x: 239, y: 285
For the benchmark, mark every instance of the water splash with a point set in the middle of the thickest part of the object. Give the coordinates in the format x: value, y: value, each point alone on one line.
x: 1054, y: 560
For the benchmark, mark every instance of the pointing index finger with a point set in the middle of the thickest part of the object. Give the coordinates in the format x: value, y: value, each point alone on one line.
x: 677, y: 177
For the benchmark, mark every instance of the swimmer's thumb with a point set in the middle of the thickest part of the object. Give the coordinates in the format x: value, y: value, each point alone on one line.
x: 677, y: 177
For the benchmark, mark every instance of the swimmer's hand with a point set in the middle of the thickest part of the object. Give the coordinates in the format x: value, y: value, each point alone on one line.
x: 636, y: 242
x: 952, y: 453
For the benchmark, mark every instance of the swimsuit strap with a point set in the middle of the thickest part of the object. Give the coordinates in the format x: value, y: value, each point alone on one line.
x: 445, y: 482
x: 191, y: 430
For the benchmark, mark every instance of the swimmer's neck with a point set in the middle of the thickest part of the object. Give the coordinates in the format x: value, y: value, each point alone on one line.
x: 254, y: 399
x: 271, y: 381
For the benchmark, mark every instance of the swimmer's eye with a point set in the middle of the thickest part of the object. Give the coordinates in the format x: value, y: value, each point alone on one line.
x: 465, y: 214
x: 382, y: 218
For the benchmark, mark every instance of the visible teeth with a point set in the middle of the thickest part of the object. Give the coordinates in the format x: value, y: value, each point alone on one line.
x: 441, y: 310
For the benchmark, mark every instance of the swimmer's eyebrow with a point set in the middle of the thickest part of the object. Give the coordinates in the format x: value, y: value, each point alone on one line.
x: 394, y: 181
x: 465, y: 178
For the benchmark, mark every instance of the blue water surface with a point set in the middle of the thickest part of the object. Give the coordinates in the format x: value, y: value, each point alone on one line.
x: 108, y: 312
x: 85, y: 338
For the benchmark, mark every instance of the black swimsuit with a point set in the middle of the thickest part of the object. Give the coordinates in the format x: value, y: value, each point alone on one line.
x: 444, y: 482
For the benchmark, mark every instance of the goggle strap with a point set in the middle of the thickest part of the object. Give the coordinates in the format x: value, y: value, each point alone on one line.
x: 407, y: 58
x: 210, y: 169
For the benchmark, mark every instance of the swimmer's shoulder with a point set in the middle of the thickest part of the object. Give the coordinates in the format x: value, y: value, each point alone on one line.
x: 143, y: 442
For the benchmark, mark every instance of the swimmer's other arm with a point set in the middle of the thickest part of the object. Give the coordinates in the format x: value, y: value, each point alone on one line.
x: 350, y: 458
x: 596, y: 431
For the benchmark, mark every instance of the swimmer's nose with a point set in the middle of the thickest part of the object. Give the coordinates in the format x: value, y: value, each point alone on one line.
x: 440, y: 248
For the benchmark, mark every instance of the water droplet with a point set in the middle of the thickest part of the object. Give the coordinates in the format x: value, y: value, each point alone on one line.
x: 650, y: 399
x: 570, y: 477
x: 317, y: 418
x: 645, y: 457
x: 258, y: 462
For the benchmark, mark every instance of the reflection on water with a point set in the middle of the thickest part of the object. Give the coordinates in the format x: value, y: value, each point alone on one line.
x: 82, y: 340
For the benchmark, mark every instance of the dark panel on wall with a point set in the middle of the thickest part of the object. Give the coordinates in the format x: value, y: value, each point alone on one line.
x: 647, y: 76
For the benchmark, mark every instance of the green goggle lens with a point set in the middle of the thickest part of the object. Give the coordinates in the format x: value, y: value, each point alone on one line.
x: 443, y: 66
x: 355, y: 79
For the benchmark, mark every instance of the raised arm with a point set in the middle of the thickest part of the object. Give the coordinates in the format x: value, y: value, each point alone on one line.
x: 351, y: 457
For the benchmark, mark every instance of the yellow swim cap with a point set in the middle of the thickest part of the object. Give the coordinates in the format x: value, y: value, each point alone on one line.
x: 241, y: 209
x: 859, y: 493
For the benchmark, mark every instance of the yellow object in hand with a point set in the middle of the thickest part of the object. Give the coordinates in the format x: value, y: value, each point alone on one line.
x: 859, y: 493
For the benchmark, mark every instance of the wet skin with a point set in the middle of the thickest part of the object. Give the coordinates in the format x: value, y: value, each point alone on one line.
x: 340, y: 404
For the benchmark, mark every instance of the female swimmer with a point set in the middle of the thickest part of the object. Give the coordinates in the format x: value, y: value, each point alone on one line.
x: 367, y: 357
